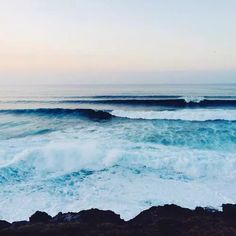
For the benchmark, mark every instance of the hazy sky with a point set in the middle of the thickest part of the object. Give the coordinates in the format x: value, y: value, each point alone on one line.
x: 106, y: 41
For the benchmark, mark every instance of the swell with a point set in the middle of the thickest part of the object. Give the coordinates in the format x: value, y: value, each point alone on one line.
x: 178, y: 114
x: 87, y: 113
x: 181, y: 103
x: 165, y: 101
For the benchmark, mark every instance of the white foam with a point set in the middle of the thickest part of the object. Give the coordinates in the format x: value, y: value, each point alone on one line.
x: 127, y: 176
x: 66, y: 157
x: 122, y: 192
x: 189, y: 99
x: 182, y: 114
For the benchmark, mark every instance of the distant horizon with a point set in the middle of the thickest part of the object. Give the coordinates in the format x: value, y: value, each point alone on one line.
x: 118, y: 84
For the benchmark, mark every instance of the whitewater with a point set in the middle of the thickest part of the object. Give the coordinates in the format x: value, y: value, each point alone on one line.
x: 119, y: 148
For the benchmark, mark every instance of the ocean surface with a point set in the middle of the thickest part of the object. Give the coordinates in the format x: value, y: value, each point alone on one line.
x: 123, y: 148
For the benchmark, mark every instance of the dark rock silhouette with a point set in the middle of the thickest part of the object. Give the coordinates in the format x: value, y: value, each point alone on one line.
x: 40, y: 217
x: 92, y: 216
x: 4, y: 224
x: 95, y: 216
x: 229, y: 210
x: 168, y: 220
x: 18, y: 224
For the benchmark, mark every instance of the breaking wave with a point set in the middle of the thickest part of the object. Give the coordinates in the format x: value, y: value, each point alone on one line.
x: 164, y: 100
x: 88, y: 113
x: 184, y: 114
x: 183, y: 102
x: 179, y: 114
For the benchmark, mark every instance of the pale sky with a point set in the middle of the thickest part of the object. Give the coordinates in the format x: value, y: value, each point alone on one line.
x: 115, y: 41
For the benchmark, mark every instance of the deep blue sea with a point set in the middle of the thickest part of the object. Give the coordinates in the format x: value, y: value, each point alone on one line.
x: 118, y: 147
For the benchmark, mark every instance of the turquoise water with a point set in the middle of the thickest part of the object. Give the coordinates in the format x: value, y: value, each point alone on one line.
x: 123, y: 148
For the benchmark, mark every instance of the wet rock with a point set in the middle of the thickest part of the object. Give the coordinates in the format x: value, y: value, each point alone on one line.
x: 229, y: 210
x: 95, y: 216
x: 40, y: 217
x: 18, y: 224
x: 155, y: 213
x: 66, y: 217
x: 92, y: 216
x: 4, y: 224
x: 168, y: 220
x: 200, y: 211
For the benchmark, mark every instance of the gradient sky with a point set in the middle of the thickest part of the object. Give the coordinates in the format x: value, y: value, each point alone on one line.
x: 114, y: 41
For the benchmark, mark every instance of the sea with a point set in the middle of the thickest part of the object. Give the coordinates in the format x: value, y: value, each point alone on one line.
x: 119, y: 147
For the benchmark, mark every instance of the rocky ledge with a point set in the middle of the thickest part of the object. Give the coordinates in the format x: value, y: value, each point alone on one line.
x: 168, y: 220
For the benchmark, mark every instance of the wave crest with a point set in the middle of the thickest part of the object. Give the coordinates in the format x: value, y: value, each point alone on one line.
x: 88, y: 113
x: 193, y: 99
x: 184, y: 114
x: 186, y: 102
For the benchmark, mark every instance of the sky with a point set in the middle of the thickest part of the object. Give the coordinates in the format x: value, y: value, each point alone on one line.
x: 115, y: 41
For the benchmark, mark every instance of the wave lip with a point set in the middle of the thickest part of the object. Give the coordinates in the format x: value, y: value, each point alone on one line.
x: 183, y: 114
x: 198, y: 114
x: 87, y: 113
x: 193, y: 99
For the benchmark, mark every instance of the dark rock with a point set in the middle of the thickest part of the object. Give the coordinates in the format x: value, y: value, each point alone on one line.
x: 200, y: 211
x: 206, y: 211
x: 210, y: 210
x: 40, y: 217
x: 168, y: 220
x: 95, y: 216
x: 18, y: 224
x: 4, y: 224
x: 66, y: 217
x: 172, y: 227
x: 229, y: 210
x: 173, y: 211
x: 155, y: 213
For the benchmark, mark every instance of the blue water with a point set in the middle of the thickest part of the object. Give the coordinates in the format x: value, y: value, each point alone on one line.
x: 123, y: 148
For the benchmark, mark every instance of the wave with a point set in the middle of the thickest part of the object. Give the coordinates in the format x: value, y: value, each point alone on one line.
x: 153, y: 100
x: 183, y: 114
x: 68, y: 156
x: 180, y: 114
x: 193, y: 99
x: 87, y: 113
x: 179, y: 102
x: 52, y: 172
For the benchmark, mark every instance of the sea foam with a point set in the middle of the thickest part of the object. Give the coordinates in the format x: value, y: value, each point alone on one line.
x: 70, y: 174
x: 180, y: 114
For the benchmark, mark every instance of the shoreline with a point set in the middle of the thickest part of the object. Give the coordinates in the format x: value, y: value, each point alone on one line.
x: 165, y: 220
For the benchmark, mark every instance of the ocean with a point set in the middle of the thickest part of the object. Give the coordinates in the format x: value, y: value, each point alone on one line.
x: 119, y: 147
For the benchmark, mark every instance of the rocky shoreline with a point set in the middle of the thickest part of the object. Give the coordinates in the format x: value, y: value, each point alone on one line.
x: 168, y: 220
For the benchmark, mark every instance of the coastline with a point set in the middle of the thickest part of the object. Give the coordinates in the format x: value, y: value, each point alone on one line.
x: 158, y: 220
